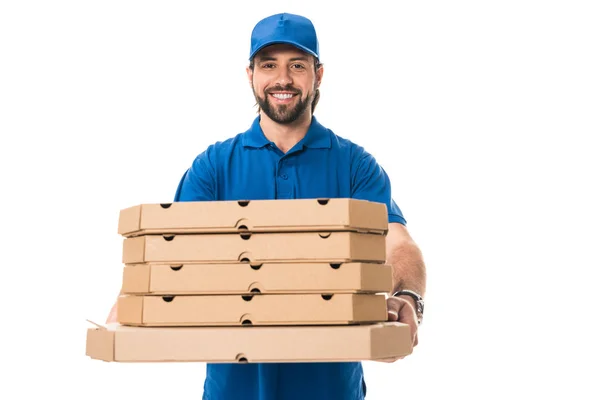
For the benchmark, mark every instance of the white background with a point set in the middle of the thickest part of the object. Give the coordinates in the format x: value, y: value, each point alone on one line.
x: 483, y: 113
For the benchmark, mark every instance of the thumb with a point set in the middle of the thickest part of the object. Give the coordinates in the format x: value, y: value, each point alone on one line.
x: 392, y: 310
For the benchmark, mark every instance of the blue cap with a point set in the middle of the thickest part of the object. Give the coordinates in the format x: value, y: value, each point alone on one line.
x: 285, y: 28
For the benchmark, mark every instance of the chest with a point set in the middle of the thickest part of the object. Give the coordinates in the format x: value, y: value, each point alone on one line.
x: 269, y: 174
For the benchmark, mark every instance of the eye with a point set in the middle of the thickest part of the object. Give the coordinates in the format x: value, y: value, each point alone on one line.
x: 298, y: 66
x: 268, y: 65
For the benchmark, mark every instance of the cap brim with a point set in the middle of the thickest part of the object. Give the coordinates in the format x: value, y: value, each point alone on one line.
x: 299, y: 46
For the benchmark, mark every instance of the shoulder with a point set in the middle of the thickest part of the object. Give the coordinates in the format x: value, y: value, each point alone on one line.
x: 225, y: 145
x: 363, y: 165
x: 219, y: 149
x: 356, y: 153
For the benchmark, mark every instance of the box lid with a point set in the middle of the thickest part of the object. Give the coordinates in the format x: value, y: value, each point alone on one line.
x: 245, y: 278
x: 256, y: 309
x: 281, y: 215
x: 256, y: 247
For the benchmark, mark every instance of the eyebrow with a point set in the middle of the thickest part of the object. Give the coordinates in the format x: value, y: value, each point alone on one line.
x: 271, y: 58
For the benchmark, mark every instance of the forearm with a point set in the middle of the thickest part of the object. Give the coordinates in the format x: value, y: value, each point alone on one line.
x: 408, y: 267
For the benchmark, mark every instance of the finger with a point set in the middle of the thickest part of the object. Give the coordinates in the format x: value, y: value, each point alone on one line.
x: 393, y: 306
x: 413, y: 328
x: 407, y: 315
x: 392, y: 315
x: 402, y: 310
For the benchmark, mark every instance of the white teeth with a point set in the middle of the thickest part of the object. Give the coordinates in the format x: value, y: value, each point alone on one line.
x: 282, y: 96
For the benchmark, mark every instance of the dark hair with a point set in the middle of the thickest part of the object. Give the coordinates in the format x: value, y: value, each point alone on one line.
x: 317, y: 65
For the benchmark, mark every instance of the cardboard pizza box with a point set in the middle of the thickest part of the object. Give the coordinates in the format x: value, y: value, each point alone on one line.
x: 254, y: 216
x: 254, y: 309
x: 335, y: 247
x: 252, y: 344
x: 267, y: 278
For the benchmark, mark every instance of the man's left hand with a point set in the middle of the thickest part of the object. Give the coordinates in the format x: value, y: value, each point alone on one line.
x: 401, y: 309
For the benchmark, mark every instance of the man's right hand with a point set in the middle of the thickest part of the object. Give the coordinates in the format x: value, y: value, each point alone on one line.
x: 112, y: 316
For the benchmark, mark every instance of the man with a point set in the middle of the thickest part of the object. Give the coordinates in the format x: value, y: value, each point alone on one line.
x: 286, y: 153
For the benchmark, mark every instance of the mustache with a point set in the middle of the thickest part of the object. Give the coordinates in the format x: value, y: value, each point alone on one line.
x: 286, y: 88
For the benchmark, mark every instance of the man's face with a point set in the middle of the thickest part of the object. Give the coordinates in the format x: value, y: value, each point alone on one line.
x: 284, y: 82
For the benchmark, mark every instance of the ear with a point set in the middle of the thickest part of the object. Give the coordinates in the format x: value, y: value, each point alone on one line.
x: 249, y: 73
x: 319, y: 75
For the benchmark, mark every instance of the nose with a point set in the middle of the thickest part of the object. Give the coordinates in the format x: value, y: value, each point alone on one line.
x: 284, y: 78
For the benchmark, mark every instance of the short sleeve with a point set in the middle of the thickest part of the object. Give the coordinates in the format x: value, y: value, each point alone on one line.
x: 198, y: 182
x: 371, y: 182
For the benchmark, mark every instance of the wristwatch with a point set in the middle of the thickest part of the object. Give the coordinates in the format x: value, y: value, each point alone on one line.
x: 419, y: 302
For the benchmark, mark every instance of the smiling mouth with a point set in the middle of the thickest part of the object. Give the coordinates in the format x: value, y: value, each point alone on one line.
x: 282, y: 96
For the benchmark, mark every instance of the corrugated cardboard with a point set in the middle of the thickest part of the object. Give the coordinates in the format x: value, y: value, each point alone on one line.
x: 334, y: 247
x: 249, y: 344
x: 240, y: 278
x: 257, y: 309
x: 255, y: 216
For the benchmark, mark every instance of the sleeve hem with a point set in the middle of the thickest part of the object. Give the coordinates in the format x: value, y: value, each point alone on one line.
x: 396, y: 218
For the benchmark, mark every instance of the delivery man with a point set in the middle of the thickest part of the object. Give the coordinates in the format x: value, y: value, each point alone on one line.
x: 287, y: 154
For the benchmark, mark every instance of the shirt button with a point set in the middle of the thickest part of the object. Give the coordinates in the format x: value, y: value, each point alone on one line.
x: 284, y: 176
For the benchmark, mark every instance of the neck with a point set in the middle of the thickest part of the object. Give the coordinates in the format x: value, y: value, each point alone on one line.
x: 285, y: 136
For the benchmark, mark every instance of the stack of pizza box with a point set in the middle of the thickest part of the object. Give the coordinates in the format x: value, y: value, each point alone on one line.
x: 302, y: 280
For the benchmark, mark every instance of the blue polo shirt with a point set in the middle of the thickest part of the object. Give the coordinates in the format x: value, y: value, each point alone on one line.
x: 250, y: 167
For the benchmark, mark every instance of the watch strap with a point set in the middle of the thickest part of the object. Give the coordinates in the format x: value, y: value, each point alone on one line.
x: 419, y: 302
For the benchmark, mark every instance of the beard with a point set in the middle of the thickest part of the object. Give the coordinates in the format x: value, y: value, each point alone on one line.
x: 283, y: 113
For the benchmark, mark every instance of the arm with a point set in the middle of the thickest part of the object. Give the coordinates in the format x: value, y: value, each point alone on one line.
x: 408, y: 272
x: 403, y: 254
x: 371, y: 182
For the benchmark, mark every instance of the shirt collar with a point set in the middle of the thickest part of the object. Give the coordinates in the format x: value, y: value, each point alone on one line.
x: 317, y: 137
